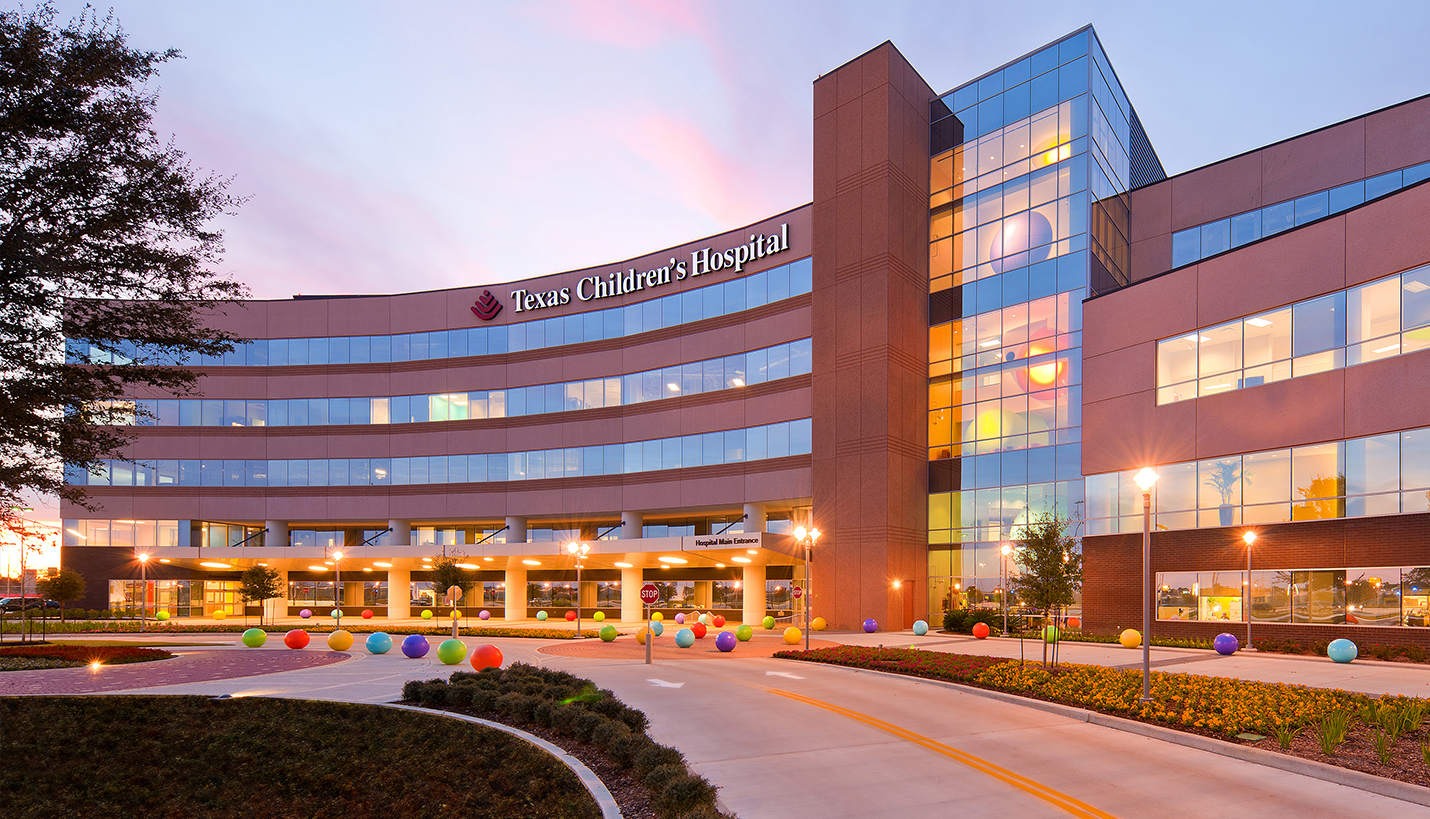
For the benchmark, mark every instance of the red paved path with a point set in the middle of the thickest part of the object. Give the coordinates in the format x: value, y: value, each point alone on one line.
x: 188, y: 667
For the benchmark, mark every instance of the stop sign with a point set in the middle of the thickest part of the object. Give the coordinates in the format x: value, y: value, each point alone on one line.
x: 798, y: 592
x: 649, y: 594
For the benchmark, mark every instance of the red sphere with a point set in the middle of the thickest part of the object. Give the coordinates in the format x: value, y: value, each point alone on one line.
x: 980, y: 630
x: 486, y: 657
x: 570, y: 615
x: 367, y: 614
x: 1074, y: 623
x: 699, y: 630
x: 719, y: 621
x: 297, y: 638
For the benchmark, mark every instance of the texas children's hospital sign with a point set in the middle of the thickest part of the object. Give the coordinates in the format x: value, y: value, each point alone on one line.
x: 621, y: 282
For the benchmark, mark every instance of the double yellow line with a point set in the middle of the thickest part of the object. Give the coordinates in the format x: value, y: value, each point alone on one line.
x: 1074, y: 806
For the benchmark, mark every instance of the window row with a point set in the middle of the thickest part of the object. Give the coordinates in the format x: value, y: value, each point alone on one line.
x: 1378, y: 475
x: 1197, y: 243
x: 1361, y: 596
x: 1014, y: 333
x: 730, y: 372
x: 731, y: 446
x: 180, y: 598
x: 754, y: 290
x: 1381, y: 319
x: 1058, y: 72
x: 970, y: 519
x: 1019, y: 422
x: 1030, y: 145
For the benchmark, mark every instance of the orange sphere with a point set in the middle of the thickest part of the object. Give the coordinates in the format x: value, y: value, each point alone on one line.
x: 487, y: 656
x: 980, y: 630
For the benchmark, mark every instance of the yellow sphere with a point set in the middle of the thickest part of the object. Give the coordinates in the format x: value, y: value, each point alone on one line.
x: 1130, y: 638
x: 426, y: 614
x: 456, y: 614
x: 792, y: 636
x: 220, y: 614
x: 599, y: 616
x: 818, y: 624
x: 340, y: 641
x: 640, y: 634
x: 657, y: 616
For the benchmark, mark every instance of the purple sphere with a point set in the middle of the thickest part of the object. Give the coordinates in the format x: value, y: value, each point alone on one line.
x: 680, y: 618
x: 305, y: 613
x: 415, y: 646
x: 1226, y: 644
x: 725, y: 641
x: 485, y: 615
x: 871, y: 625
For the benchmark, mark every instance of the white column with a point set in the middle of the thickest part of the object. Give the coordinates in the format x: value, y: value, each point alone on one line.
x: 276, y: 607
x: 401, y: 534
x: 516, y: 592
x: 399, y: 594
x: 702, y: 594
x: 516, y: 530
x: 632, y: 609
x: 277, y: 534
x: 632, y: 524
x: 753, y: 587
x: 755, y: 517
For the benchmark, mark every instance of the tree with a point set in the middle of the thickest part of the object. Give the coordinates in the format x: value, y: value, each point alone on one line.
x: 259, y: 583
x: 1049, y: 564
x: 66, y: 586
x: 445, y: 574
x: 106, y: 248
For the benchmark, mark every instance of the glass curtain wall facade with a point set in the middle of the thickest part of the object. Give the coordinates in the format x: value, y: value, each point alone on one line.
x: 1028, y: 214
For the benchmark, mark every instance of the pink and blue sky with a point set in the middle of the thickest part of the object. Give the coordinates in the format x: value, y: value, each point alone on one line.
x: 388, y: 147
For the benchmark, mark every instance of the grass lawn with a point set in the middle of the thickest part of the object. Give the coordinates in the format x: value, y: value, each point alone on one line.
x: 190, y: 756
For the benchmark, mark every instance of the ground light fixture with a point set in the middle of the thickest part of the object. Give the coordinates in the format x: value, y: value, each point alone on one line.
x: 806, y: 538
x: 1250, y: 538
x: 578, y: 551
x: 1144, y: 480
x: 143, y: 588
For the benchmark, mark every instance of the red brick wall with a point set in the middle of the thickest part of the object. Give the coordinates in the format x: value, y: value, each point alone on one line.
x: 1112, y: 566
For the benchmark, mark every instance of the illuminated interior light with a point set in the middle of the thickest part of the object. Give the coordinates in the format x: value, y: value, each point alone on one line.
x: 673, y: 387
x: 624, y: 566
x: 489, y: 559
x: 532, y: 562
x: 77, y: 534
x: 467, y: 566
x: 664, y: 559
x: 1394, y: 346
x: 1259, y: 322
x: 166, y: 560
x: 367, y: 568
x: 719, y: 565
x: 1219, y: 387
x: 992, y: 342
x: 382, y: 564
x: 208, y: 565
x: 752, y: 551
x: 737, y: 382
x: 1416, y: 286
x: 317, y: 568
x: 741, y: 560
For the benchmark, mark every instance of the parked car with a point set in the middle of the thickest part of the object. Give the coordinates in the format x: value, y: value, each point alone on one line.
x: 12, y: 605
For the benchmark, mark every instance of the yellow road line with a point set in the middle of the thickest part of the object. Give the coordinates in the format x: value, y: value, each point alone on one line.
x: 1074, y: 806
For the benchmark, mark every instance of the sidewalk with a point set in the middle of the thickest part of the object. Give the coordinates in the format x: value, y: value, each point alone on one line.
x: 1365, y: 676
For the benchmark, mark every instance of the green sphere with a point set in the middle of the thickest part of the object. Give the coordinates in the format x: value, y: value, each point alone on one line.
x: 162, y: 615
x: 255, y: 637
x: 451, y: 652
x: 541, y: 615
x: 608, y: 633
x: 743, y: 633
x: 1051, y: 634
x: 768, y: 622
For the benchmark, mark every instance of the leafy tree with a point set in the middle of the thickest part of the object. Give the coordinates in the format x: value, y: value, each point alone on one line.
x: 445, y: 574
x: 106, y: 248
x: 257, y: 584
x: 66, y: 586
x: 1049, y: 563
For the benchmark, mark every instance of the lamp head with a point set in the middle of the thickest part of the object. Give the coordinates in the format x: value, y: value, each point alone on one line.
x: 814, y: 535
x: 1249, y: 537
x: 143, y: 557
x: 1145, y: 479
x: 1007, y: 550
x: 337, y: 555
x: 799, y: 533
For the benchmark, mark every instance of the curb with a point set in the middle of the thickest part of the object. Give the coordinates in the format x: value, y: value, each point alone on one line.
x: 593, y: 783
x: 1334, y: 774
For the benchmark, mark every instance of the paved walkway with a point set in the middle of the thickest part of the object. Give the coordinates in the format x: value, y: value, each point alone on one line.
x: 196, y: 667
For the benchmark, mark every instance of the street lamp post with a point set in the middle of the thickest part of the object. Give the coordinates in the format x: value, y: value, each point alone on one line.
x: 807, y: 538
x: 143, y: 588
x: 1250, y: 538
x: 1144, y: 480
x: 338, y: 586
x: 1003, y: 588
x: 579, y: 551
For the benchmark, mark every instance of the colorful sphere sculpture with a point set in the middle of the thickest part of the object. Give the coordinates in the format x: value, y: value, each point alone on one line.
x: 378, y: 643
x: 1342, y: 650
x: 743, y: 633
x: 305, y: 613
x: 921, y: 628
x: 980, y: 631
x: 484, y: 615
x: 452, y: 651
x: 641, y: 634
x: 161, y: 615
x: 679, y: 618
x: 1051, y: 634
x: 336, y: 614
x: 792, y: 636
x: 699, y: 629
x: 415, y: 647
x: 367, y: 614
x: 657, y: 627
x: 542, y: 615
x: 296, y: 639
x: 487, y: 656
x: 1130, y: 638
x: 340, y: 640
x: 768, y: 622
x: 658, y: 617
x: 685, y: 638
x: 818, y: 624
x: 570, y: 616
x: 718, y: 621
x: 1074, y: 623
x: 1226, y: 644
x: 871, y: 625
x: 599, y: 616
x: 426, y: 614
x: 608, y: 633
x: 705, y: 620
x: 255, y: 637
x: 725, y: 641
x: 218, y: 615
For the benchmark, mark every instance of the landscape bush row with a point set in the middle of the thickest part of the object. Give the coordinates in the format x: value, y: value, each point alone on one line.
x: 572, y: 707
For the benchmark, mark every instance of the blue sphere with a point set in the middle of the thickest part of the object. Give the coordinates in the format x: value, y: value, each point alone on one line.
x: 685, y: 638
x: 415, y: 646
x: 871, y: 625
x: 1342, y: 650
x: 725, y: 641
x: 378, y: 643
x: 921, y: 628
x: 1226, y: 644
x: 657, y: 628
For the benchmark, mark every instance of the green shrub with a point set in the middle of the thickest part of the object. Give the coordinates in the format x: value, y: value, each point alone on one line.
x: 459, y: 696
x: 543, y: 713
x: 563, y: 719
x: 634, y: 719
x: 663, y: 775
x: 516, y: 706
x: 586, y: 724
x: 608, y: 732
x: 654, y: 757
x: 625, y: 749
x: 686, y: 792
x: 483, y: 699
